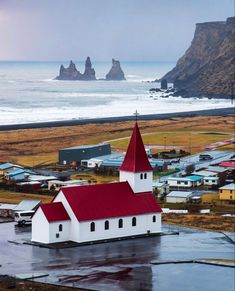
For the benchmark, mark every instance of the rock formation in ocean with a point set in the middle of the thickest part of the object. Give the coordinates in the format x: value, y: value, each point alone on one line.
x: 116, y: 73
x: 208, y: 66
x: 71, y: 73
x: 89, y: 73
x: 164, y: 84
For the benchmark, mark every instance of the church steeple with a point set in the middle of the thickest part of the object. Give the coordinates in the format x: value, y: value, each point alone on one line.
x: 136, y: 168
x: 136, y: 159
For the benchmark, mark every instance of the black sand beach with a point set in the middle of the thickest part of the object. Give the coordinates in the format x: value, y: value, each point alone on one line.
x: 74, y: 122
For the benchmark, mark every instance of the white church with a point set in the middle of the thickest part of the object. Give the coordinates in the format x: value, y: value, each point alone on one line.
x: 104, y: 211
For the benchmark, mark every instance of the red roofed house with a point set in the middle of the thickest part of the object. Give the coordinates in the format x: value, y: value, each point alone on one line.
x: 103, y: 211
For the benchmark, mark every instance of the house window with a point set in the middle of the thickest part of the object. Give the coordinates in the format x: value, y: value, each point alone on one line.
x: 141, y: 176
x: 186, y: 183
x: 57, y: 235
x: 120, y: 223
x: 178, y: 182
x: 60, y: 227
x: 231, y: 197
x: 134, y: 221
x: 92, y: 226
x: 145, y: 175
x: 231, y: 191
x: 154, y: 218
x: 106, y: 224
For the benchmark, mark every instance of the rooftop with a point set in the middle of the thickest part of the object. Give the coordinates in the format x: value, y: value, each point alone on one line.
x: 136, y: 159
x: 8, y: 165
x: 108, y: 200
x: 228, y: 187
x: 188, y: 178
x: 27, y: 205
x: 180, y: 194
x: 55, y: 212
x: 85, y: 146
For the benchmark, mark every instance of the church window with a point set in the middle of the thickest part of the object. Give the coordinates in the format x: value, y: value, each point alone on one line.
x: 120, y: 223
x: 145, y: 175
x: 106, y: 224
x: 154, y: 218
x: 141, y: 176
x: 92, y: 226
x: 60, y: 227
x: 134, y: 221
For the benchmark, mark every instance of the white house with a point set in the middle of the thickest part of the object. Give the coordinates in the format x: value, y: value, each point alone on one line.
x: 178, y: 196
x: 185, y: 182
x: 104, y: 211
x: 57, y: 184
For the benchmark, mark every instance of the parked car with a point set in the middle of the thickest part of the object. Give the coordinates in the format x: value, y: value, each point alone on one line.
x: 203, y: 157
x: 23, y: 217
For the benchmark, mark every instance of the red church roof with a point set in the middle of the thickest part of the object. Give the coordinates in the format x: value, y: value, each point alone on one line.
x: 108, y: 200
x: 136, y: 159
x: 55, y: 211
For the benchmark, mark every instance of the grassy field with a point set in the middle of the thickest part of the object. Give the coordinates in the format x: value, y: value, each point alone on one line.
x: 34, y: 146
x: 212, y: 222
x: 16, y: 197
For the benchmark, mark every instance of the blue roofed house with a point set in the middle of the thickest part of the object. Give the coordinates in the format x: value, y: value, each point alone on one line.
x: 18, y: 174
x: 185, y: 182
x: 7, y: 167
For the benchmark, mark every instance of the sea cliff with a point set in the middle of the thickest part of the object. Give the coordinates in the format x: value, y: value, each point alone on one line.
x: 207, y: 67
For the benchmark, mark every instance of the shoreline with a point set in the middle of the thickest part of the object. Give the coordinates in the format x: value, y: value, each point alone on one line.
x: 47, y: 124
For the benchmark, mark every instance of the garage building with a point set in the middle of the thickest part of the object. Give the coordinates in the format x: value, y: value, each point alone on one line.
x: 78, y: 153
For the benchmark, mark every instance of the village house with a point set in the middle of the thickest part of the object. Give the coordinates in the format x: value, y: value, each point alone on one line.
x: 185, y: 182
x: 178, y: 197
x: 227, y: 193
x: 103, y: 212
x: 7, y: 167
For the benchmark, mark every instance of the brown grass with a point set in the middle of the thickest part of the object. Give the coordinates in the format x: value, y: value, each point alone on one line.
x: 212, y: 222
x: 16, y: 197
x: 33, y: 146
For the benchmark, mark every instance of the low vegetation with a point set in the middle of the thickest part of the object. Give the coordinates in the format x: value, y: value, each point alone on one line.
x: 34, y: 146
x: 212, y: 222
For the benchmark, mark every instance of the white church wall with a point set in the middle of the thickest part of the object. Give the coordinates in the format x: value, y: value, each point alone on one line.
x: 74, y: 225
x: 137, y: 184
x: 40, y: 227
x: 58, y: 233
x: 144, y: 225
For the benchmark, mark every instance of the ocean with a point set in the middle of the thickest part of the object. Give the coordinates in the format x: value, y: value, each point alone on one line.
x: 29, y: 93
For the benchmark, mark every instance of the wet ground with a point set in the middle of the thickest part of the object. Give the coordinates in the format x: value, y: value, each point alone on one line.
x: 124, y: 265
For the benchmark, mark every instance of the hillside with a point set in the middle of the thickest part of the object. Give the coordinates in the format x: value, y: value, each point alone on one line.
x: 207, y: 67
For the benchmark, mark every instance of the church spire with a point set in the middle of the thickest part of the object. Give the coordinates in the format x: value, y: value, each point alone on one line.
x: 136, y: 159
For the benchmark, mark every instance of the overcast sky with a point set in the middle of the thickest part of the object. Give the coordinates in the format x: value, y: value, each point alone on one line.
x: 144, y: 30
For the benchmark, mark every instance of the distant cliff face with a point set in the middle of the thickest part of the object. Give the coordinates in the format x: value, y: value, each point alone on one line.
x: 207, y: 67
x: 116, y: 73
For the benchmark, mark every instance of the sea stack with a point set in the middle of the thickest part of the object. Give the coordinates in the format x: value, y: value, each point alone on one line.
x: 116, y: 73
x: 89, y: 73
x: 72, y: 74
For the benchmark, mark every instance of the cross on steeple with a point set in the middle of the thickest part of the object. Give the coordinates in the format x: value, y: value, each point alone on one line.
x: 136, y: 114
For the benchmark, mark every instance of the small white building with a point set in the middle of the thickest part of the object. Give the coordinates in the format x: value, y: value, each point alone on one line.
x: 178, y: 197
x: 160, y: 188
x: 185, y: 182
x: 211, y: 181
x: 100, y: 212
x: 57, y: 184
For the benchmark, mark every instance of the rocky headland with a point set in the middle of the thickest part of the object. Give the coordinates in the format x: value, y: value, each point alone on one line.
x: 71, y: 73
x: 207, y: 68
x: 116, y: 73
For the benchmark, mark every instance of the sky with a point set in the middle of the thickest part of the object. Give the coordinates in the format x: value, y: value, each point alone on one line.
x: 129, y: 30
